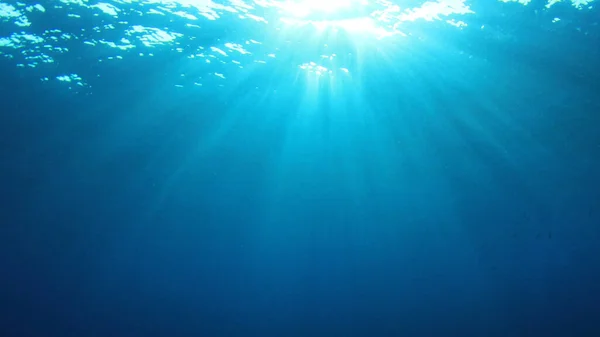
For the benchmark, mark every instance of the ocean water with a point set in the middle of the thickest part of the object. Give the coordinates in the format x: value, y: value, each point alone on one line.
x: 267, y: 168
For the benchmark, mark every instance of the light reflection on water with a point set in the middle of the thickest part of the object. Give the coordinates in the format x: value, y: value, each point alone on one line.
x: 251, y: 32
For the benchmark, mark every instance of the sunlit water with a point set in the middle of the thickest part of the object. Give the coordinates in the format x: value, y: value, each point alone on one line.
x: 298, y: 168
x: 226, y: 38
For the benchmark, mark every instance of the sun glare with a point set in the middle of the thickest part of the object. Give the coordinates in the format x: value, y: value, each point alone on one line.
x: 305, y: 8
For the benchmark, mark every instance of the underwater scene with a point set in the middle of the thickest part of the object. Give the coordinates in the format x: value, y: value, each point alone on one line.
x: 295, y: 168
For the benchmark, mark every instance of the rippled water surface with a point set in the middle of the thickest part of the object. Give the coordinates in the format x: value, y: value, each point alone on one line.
x: 233, y: 38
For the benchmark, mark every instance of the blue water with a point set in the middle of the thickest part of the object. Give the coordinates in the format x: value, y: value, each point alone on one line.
x: 307, y: 168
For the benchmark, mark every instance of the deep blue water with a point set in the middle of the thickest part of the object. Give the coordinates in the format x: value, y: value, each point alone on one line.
x: 439, y: 181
